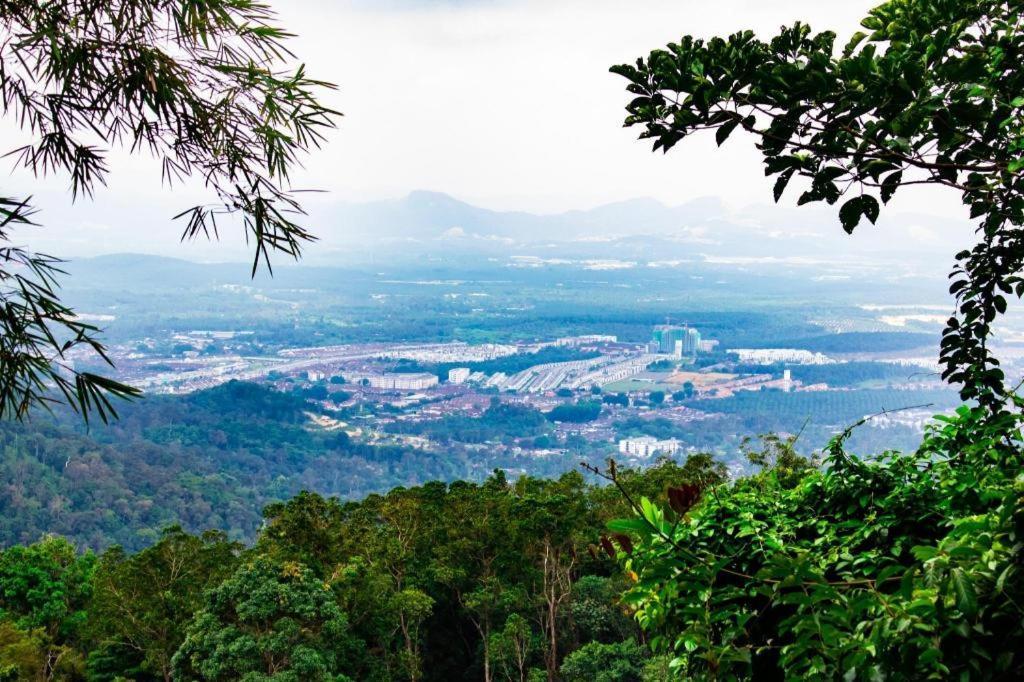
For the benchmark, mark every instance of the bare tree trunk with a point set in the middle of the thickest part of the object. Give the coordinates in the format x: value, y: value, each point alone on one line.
x: 557, y: 586
x: 410, y: 650
x: 487, y: 659
x: 521, y: 653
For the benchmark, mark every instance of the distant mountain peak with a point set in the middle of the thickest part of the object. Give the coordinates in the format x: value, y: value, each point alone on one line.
x: 422, y: 197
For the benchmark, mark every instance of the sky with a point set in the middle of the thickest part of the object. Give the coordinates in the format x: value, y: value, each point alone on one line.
x: 506, y: 104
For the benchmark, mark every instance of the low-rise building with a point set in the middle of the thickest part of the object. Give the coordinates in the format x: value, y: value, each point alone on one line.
x: 645, y: 446
x: 458, y: 375
x: 412, y: 381
x: 769, y: 356
x: 586, y: 339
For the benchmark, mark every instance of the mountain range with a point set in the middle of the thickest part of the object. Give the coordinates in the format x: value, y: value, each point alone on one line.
x: 425, y: 225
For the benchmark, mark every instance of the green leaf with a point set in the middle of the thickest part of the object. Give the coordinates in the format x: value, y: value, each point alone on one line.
x: 890, y: 185
x: 855, y: 40
x: 781, y: 182
x: 870, y: 208
x: 963, y: 588
x: 629, y: 526
x: 725, y: 130
x: 924, y: 552
x: 849, y: 214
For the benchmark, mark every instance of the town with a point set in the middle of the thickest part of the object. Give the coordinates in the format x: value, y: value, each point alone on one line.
x: 633, y: 400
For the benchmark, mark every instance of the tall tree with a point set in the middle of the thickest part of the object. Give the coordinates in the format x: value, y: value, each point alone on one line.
x: 206, y: 88
x: 144, y: 602
x: 44, y: 591
x: 929, y: 93
x: 554, y: 515
x: 269, y: 621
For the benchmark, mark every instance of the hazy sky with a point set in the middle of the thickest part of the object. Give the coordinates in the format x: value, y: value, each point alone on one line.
x: 503, y: 103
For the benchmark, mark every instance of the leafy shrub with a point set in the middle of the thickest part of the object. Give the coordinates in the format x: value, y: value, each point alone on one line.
x: 903, y: 567
x: 597, y: 662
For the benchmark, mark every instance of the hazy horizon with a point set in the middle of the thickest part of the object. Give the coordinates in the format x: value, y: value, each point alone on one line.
x: 505, y: 105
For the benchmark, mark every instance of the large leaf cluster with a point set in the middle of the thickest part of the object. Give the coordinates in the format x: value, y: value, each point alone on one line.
x: 929, y: 93
x: 267, y: 622
x: 903, y: 567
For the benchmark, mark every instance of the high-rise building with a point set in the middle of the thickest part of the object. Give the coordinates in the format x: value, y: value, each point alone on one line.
x: 691, y: 341
x: 666, y: 335
x: 707, y: 345
x: 668, y: 338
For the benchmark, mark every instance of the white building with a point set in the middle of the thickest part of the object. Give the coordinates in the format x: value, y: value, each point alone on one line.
x: 586, y: 339
x: 403, y: 382
x: 458, y: 375
x: 707, y: 345
x: 769, y: 356
x: 313, y: 375
x: 450, y: 352
x: 645, y: 446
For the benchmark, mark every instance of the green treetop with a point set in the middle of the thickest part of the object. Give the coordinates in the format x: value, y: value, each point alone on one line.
x: 268, y: 622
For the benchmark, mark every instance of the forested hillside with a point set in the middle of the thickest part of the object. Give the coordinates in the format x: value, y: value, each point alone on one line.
x: 213, y: 459
x: 498, y: 581
x: 208, y: 460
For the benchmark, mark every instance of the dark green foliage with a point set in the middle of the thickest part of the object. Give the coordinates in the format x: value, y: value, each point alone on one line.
x: 268, y: 621
x: 437, y: 582
x: 211, y: 459
x: 685, y: 393
x: 46, y: 585
x: 595, y: 612
x: 499, y: 421
x: 597, y: 662
x: 577, y: 413
x: 205, y: 89
x: 616, y: 399
x: 45, y: 589
x: 143, y: 602
x: 929, y: 93
x: 902, y: 567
